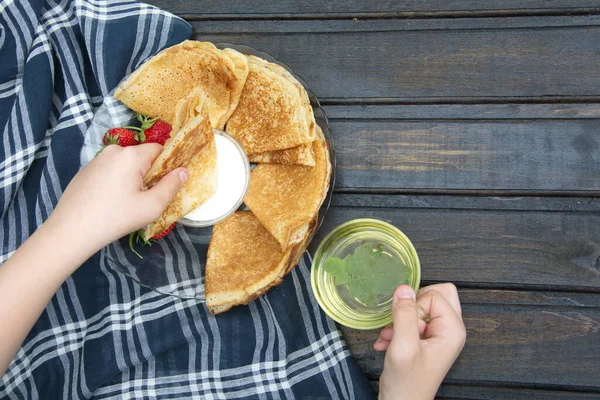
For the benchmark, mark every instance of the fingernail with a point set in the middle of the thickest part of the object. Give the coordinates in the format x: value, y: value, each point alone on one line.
x: 405, y: 292
x: 183, y: 176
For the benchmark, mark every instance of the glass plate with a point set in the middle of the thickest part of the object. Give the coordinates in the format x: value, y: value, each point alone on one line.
x: 175, y: 265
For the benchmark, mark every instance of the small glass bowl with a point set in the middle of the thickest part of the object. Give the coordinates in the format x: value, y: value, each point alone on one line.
x: 199, y: 224
x: 343, y: 240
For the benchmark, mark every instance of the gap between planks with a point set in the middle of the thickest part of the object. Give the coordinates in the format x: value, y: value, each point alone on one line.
x: 520, y: 385
x: 582, y: 11
x: 463, y: 112
x: 345, y: 26
x: 458, y: 100
x: 581, y: 194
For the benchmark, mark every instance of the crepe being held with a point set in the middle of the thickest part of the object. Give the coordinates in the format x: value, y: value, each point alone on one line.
x: 156, y: 87
x: 193, y: 147
x: 274, y: 111
x: 286, y: 198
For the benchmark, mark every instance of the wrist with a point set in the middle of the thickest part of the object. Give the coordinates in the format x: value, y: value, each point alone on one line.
x: 50, y: 255
x: 69, y: 240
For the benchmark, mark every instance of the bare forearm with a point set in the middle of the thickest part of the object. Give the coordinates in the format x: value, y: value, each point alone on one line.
x: 29, y: 279
x: 103, y: 202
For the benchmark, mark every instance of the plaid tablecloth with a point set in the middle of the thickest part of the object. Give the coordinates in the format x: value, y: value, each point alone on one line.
x: 103, y: 335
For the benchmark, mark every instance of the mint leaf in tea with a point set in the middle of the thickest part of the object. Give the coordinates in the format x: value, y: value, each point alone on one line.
x: 368, y: 273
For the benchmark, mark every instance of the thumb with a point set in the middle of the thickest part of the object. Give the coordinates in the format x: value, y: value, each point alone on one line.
x: 406, y: 321
x: 166, y: 189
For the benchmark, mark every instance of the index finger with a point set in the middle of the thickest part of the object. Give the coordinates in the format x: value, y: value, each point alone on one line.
x: 444, y: 319
x: 448, y: 290
x: 147, y: 153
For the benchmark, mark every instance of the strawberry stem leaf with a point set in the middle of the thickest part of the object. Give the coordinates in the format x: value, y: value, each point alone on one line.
x: 133, y: 128
x: 146, y: 122
x: 131, y: 235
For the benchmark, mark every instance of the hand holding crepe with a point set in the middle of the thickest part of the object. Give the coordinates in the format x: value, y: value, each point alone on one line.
x: 156, y: 87
x: 192, y: 147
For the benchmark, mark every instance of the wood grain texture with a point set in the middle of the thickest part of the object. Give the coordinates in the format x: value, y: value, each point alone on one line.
x: 355, y: 25
x: 501, y: 393
x: 244, y: 9
x: 446, y: 202
x: 454, y: 147
x: 486, y: 155
x: 514, y: 338
x: 503, y: 249
x: 543, y: 147
x: 499, y: 147
x: 464, y: 112
x: 459, y: 58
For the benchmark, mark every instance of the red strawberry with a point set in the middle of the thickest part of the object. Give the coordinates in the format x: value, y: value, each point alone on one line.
x: 120, y: 136
x: 164, y: 233
x: 159, y: 132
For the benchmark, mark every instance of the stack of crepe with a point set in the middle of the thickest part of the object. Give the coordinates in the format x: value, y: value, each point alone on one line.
x: 274, y: 121
x: 196, y: 87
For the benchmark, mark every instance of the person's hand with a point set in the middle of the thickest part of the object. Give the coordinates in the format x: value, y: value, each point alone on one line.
x: 419, y: 355
x: 106, y: 199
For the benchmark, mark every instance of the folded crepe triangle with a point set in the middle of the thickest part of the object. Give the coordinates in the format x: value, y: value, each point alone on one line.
x: 155, y: 88
x: 274, y: 111
x: 286, y: 198
x: 240, y: 270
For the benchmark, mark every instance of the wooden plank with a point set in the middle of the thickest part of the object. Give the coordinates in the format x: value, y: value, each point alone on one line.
x: 461, y: 58
x: 515, y: 344
x: 464, y: 112
x: 514, y: 203
x: 269, y: 26
x: 502, y: 249
x: 497, y: 147
x: 543, y: 155
x: 501, y: 393
x: 526, y: 298
x: 355, y: 25
x: 543, y: 147
x: 241, y: 8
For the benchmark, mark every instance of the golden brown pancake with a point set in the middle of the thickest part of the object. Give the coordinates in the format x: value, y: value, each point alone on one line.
x: 192, y: 147
x: 299, y: 155
x: 188, y: 107
x: 286, y: 198
x: 274, y: 111
x: 299, y: 249
x: 243, y: 262
x: 155, y: 88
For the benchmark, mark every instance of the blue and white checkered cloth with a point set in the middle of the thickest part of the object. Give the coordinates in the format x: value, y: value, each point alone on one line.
x: 103, y: 335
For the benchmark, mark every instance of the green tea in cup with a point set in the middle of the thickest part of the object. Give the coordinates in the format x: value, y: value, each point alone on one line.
x: 357, y: 268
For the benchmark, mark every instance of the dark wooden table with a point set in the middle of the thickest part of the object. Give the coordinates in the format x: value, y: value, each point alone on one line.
x: 473, y: 126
